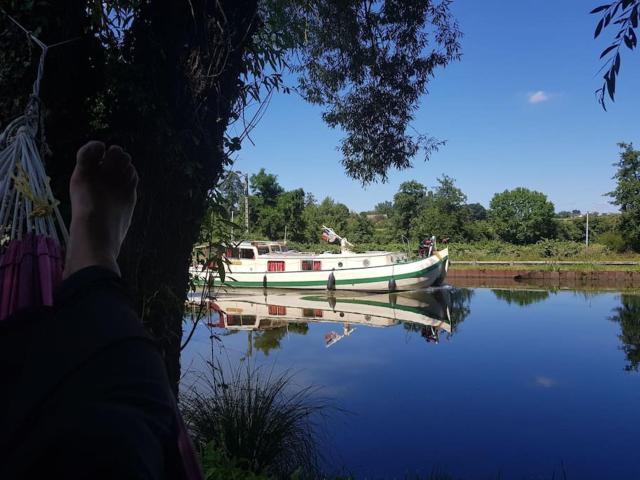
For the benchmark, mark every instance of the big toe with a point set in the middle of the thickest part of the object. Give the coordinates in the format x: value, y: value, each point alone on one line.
x: 90, y: 155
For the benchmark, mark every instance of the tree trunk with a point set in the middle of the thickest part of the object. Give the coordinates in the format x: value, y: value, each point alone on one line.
x: 178, y: 148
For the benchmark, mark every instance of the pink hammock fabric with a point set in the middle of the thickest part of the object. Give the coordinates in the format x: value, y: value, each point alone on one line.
x: 30, y: 270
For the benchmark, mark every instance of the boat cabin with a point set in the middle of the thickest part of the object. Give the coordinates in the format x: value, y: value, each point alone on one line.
x: 266, y: 256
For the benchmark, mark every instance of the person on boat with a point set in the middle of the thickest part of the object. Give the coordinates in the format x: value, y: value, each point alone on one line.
x: 425, y: 247
x: 85, y: 391
x: 430, y: 334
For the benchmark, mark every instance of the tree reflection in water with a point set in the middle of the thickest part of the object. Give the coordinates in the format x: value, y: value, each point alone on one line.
x: 628, y: 316
x: 453, y: 304
x: 522, y: 297
x: 269, y: 338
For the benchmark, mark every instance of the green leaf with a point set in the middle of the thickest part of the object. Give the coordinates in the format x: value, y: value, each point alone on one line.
x: 628, y: 42
x: 607, y: 50
x: 221, y: 269
x: 611, y: 84
x: 633, y: 38
x: 600, y: 8
x: 599, y: 28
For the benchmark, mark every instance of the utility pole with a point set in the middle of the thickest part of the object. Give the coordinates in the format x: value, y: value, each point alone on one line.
x: 586, y: 236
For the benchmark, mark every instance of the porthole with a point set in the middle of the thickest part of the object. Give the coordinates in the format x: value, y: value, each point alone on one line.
x: 340, y: 264
x: 366, y: 262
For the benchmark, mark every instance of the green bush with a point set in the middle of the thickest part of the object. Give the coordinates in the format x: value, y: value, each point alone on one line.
x: 358, y: 247
x: 558, y: 249
x: 543, y: 250
x: 217, y: 466
x: 614, y: 241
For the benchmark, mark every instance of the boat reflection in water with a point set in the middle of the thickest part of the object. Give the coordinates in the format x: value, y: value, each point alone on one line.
x: 427, y: 311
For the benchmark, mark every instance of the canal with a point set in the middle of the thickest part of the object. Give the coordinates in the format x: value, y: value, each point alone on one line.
x: 475, y: 382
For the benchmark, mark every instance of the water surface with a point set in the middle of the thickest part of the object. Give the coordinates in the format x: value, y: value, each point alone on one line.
x: 478, y: 383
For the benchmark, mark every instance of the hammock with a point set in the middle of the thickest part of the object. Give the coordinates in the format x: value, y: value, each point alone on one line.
x: 32, y: 233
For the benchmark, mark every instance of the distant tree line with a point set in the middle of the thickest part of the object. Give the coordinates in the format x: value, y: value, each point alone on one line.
x: 519, y: 216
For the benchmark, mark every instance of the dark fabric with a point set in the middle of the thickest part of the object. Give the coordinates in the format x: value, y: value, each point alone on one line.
x: 85, y: 393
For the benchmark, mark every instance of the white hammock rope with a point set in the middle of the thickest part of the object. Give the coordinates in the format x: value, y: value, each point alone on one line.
x: 27, y: 204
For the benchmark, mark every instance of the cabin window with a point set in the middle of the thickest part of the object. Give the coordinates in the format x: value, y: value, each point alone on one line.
x: 276, y: 248
x: 263, y: 250
x: 277, y: 310
x: 275, y: 266
x: 241, y: 320
x: 232, y: 253
x: 247, y: 253
x: 311, y: 265
x: 311, y: 313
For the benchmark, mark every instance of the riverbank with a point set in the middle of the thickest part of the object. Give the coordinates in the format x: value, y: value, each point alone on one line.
x: 548, y: 274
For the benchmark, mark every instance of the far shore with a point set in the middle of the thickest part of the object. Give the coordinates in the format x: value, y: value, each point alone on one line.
x: 545, y: 274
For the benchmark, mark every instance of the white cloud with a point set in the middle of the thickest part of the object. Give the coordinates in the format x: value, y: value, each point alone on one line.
x: 545, y: 382
x: 539, y: 96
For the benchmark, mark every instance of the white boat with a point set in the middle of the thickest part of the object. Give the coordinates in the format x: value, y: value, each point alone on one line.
x: 257, y: 264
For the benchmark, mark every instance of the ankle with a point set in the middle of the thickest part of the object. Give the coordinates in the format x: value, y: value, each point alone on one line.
x: 77, y: 261
x: 89, y: 247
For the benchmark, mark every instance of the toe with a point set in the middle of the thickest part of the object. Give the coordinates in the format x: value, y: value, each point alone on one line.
x: 116, y: 159
x: 90, y: 154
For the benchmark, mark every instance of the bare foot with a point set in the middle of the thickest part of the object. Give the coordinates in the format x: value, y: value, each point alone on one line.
x: 103, y: 196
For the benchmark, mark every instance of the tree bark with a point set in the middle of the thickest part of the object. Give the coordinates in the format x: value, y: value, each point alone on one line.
x: 177, y: 146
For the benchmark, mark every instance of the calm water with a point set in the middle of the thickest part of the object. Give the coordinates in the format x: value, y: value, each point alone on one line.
x: 474, y: 382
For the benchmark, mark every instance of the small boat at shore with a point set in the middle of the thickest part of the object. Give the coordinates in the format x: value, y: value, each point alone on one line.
x: 256, y: 264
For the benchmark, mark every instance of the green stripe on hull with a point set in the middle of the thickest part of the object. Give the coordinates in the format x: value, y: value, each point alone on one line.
x: 323, y: 283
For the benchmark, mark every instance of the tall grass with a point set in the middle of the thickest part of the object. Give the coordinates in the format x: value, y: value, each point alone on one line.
x: 258, y: 419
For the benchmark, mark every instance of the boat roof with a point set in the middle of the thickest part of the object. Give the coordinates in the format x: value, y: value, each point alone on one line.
x: 297, y: 254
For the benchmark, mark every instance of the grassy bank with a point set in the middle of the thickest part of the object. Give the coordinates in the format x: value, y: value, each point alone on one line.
x: 545, y: 250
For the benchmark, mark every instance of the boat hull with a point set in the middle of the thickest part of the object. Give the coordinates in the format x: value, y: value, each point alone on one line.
x: 396, y: 277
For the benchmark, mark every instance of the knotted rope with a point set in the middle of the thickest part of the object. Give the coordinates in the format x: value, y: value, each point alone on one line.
x: 27, y: 204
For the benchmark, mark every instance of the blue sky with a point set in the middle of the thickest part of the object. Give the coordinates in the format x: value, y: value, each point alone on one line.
x: 518, y: 110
